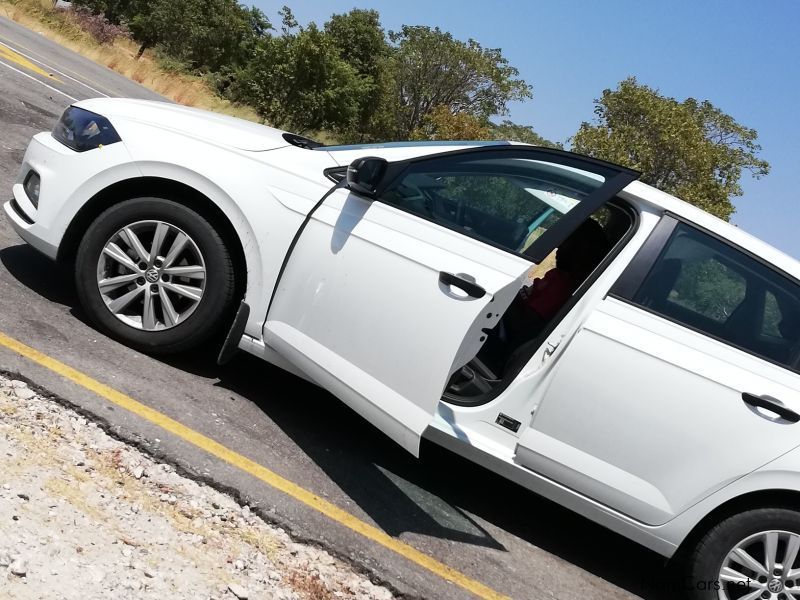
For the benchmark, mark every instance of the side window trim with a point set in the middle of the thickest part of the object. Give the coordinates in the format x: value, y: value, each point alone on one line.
x: 648, y: 255
x: 616, y: 178
x: 639, y: 268
x: 629, y: 282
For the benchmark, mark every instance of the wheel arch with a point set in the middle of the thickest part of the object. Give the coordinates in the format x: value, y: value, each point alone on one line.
x: 765, y: 498
x: 158, y: 187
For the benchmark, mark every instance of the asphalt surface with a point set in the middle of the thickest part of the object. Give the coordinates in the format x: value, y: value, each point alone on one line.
x: 485, y: 527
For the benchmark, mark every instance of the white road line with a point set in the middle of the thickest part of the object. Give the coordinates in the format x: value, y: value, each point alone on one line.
x: 49, y: 87
x: 52, y: 69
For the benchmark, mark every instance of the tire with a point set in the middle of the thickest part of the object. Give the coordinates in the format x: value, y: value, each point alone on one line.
x: 747, y: 530
x: 173, y: 309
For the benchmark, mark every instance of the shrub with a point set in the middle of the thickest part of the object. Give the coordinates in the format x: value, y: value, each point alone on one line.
x: 100, y: 28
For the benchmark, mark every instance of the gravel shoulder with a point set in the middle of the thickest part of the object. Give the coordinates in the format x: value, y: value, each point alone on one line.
x: 83, y: 515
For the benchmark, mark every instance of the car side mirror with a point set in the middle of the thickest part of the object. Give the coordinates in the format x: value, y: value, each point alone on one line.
x: 364, y: 175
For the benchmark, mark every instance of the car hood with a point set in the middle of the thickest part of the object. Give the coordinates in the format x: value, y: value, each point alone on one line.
x: 202, y: 124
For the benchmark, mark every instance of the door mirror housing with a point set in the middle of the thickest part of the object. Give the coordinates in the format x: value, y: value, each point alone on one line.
x: 364, y: 175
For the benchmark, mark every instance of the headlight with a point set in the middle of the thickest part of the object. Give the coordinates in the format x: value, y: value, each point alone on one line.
x: 82, y: 130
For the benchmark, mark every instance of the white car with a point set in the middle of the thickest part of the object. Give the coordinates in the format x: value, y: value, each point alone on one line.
x: 649, y: 381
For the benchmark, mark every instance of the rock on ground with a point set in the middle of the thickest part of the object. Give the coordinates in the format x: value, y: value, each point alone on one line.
x: 84, y: 516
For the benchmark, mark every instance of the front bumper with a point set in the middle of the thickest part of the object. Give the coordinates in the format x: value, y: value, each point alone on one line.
x: 21, y: 214
x: 68, y: 180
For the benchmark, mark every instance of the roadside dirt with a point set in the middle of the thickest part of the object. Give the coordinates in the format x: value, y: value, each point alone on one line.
x: 84, y: 516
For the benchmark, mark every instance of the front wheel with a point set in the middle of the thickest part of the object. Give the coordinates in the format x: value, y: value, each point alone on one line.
x: 155, y: 275
x: 751, y: 555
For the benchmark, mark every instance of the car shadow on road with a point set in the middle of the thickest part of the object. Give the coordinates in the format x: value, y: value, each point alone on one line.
x: 442, y: 495
x: 39, y: 274
x: 378, y: 476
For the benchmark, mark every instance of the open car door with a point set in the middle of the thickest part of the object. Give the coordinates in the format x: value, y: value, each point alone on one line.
x: 387, y: 293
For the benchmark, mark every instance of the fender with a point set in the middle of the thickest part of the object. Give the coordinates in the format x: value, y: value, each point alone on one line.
x: 248, y: 238
x: 250, y: 188
x: 781, y: 475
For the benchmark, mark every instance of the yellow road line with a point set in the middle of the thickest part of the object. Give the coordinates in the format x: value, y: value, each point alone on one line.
x: 63, y: 70
x: 253, y: 468
x: 9, y: 54
x: 39, y: 81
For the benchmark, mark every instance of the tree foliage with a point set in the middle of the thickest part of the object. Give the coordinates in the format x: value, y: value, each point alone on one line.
x: 204, y: 35
x: 358, y: 83
x: 298, y: 81
x: 98, y: 25
x: 434, y: 69
x: 690, y: 149
x: 361, y: 42
x: 508, y: 130
x: 116, y: 11
x: 441, y: 124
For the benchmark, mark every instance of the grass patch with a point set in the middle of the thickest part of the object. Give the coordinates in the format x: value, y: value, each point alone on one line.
x: 120, y: 56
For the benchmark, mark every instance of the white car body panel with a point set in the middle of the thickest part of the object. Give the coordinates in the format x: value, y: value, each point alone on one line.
x: 692, y: 437
x: 193, y: 123
x: 265, y: 193
x: 391, y: 267
x: 665, y: 473
x: 78, y: 180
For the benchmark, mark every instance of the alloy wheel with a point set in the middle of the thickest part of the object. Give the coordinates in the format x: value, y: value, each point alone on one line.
x: 763, y: 565
x: 151, y: 275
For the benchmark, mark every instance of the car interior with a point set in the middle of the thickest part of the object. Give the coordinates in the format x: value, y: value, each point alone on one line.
x: 513, y: 341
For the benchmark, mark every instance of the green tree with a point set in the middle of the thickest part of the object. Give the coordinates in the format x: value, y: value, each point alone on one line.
x: 361, y: 42
x: 298, y: 81
x: 433, y: 69
x: 513, y: 132
x: 204, y: 35
x: 116, y: 11
x: 288, y: 21
x: 258, y: 23
x: 441, y: 124
x: 690, y: 149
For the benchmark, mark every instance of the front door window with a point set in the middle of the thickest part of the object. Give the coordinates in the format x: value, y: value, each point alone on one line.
x: 506, y: 201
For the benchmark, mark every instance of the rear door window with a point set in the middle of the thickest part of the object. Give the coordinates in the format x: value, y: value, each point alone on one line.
x: 708, y: 289
x: 711, y: 287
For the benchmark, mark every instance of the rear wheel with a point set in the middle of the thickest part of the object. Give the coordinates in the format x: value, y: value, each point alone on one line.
x: 154, y: 275
x: 752, y: 555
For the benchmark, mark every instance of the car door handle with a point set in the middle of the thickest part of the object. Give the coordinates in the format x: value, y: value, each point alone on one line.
x: 772, y: 406
x: 472, y: 289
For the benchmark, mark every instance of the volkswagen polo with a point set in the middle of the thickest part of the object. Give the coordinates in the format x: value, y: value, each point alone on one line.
x: 542, y: 313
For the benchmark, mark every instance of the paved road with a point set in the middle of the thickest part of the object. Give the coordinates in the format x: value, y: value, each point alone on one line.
x: 486, y: 528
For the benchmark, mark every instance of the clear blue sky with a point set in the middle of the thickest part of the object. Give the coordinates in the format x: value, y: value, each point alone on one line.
x: 743, y: 56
